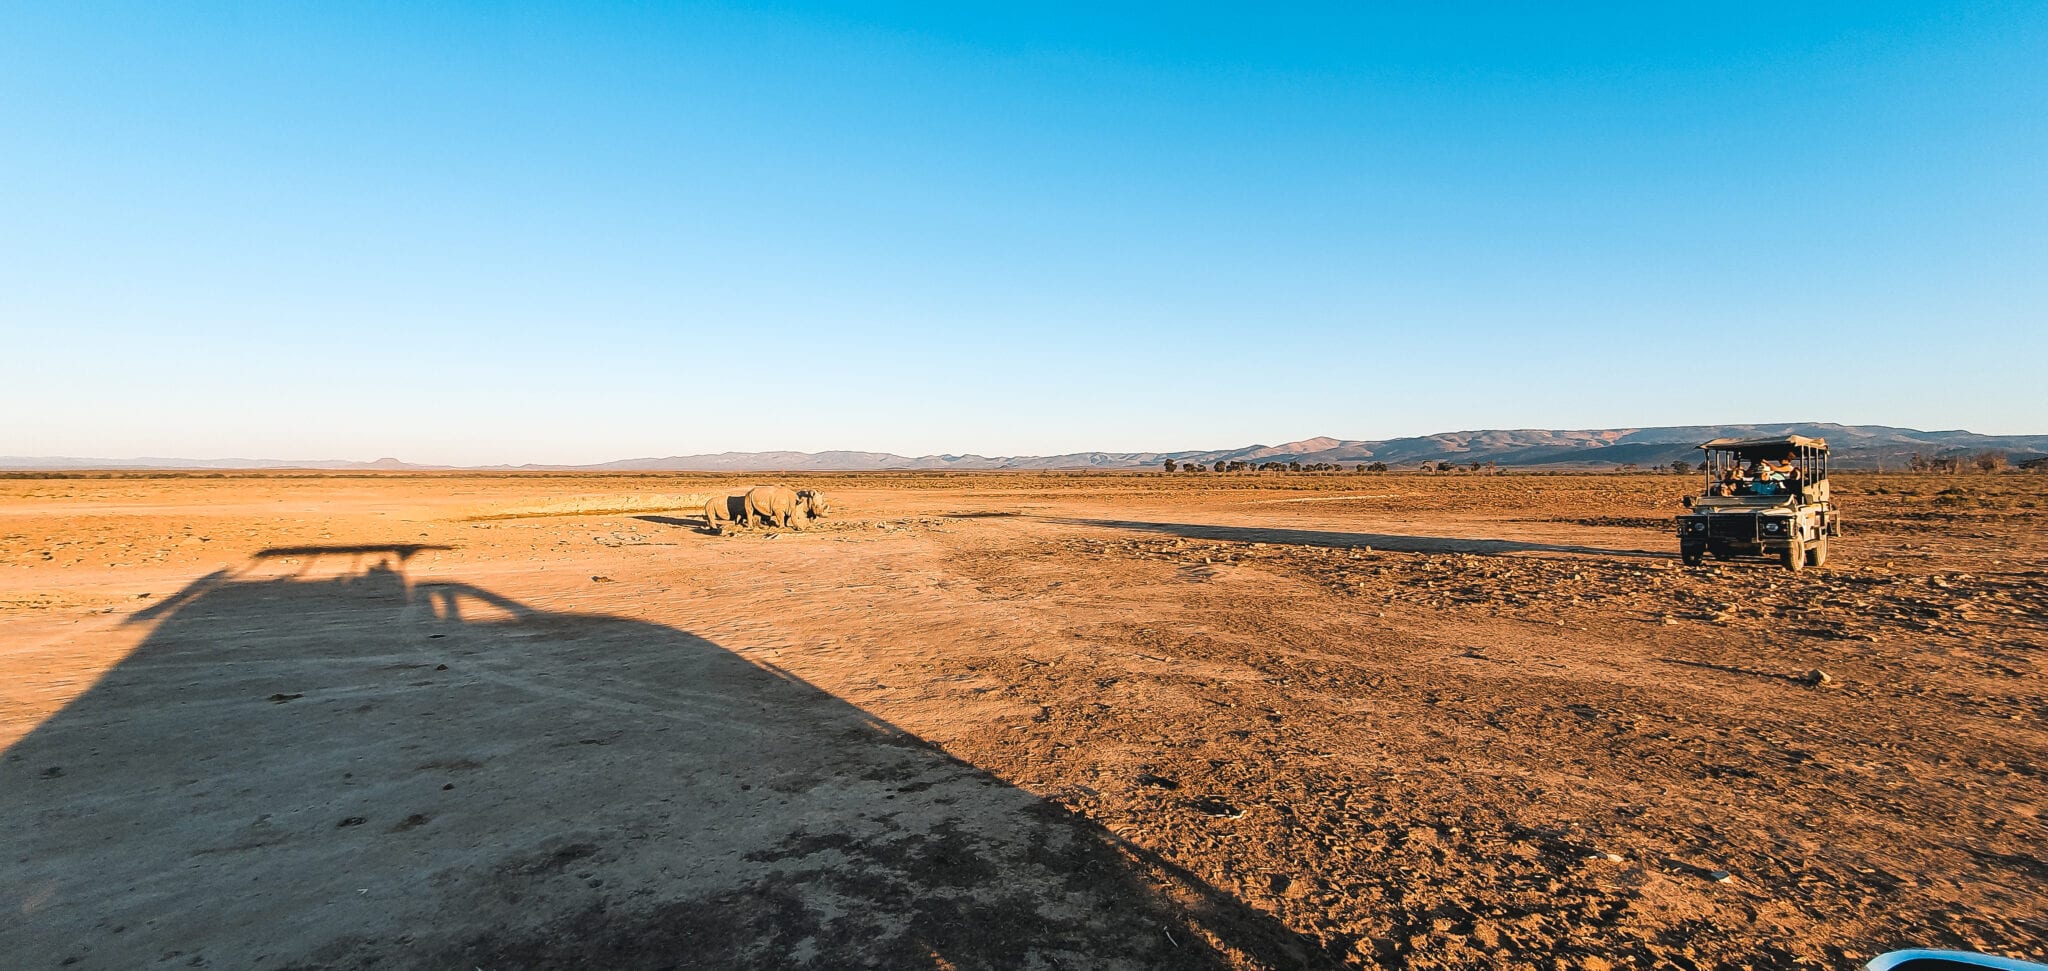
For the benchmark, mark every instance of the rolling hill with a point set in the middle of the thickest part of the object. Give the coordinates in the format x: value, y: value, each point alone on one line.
x: 1855, y: 446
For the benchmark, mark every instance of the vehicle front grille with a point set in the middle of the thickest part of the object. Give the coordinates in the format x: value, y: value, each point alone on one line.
x: 1741, y: 527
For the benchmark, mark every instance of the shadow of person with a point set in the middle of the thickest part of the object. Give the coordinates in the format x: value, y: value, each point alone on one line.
x: 1393, y: 542
x: 354, y: 768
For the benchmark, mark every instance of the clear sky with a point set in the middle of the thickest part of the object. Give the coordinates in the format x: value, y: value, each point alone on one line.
x: 510, y: 232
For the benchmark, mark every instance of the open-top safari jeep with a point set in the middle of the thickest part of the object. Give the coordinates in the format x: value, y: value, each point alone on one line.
x: 1763, y: 497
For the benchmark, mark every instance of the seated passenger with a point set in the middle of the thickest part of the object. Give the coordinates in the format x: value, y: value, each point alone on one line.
x: 1733, y: 482
x: 1795, y: 476
x: 1767, y: 478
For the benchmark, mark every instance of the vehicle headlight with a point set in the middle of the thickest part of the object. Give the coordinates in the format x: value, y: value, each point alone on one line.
x: 1697, y: 525
x: 1774, y: 526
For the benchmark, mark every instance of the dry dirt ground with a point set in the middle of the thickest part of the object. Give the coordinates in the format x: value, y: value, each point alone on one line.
x: 1010, y: 721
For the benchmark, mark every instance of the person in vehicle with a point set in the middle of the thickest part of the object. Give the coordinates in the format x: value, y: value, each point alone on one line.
x: 1769, y: 480
x: 1794, y: 475
x: 1734, y: 482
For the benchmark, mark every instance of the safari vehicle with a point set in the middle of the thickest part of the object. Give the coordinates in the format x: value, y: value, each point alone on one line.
x: 1918, y: 959
x: 1763, y: 497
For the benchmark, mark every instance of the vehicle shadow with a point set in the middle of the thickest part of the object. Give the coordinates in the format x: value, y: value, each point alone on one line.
x: 1394, y: 542
x: 340, y: 768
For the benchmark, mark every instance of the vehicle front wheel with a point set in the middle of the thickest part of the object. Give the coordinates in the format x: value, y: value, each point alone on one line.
x: 1817, y: 555
x: 1794, y: 556
x: 1692, y: 555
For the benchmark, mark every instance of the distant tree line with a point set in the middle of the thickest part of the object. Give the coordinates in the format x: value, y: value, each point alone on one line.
x: 1988, y: 462
x: 1174, y: 465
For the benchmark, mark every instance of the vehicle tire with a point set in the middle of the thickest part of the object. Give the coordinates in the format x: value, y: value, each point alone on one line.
x: 1691, y: 555
x: 1794, y: 556
x: 1817, y: 554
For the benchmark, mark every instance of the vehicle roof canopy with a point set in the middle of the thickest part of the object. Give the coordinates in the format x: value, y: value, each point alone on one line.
x: 1747, y: 447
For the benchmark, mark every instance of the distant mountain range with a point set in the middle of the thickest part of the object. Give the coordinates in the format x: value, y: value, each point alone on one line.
x: 1854, y: 446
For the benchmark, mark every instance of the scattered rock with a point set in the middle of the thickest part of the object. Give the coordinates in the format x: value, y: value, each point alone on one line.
x: 1216, y: 808
x: 1816, y: 677
x: 599, y: 579
x: 278, y: 699
x: 1157, y: 782
x: 351, y: 821
x: 1721, y: 876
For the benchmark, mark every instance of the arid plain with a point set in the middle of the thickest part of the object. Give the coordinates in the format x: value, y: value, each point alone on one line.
x: 995, y: 721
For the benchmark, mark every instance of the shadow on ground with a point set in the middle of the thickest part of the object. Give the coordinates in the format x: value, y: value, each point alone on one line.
x: 697, y: 523
x: 355, y: 768
x: 1394, y: 542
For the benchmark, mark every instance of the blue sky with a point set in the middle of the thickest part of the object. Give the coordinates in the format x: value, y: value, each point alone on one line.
x: 578, y: 232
